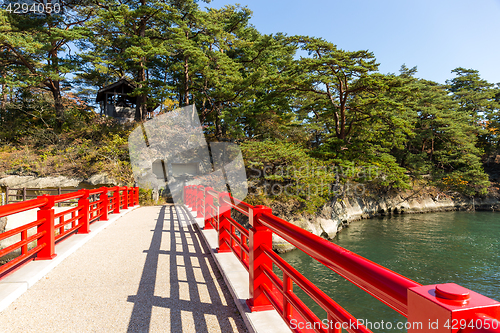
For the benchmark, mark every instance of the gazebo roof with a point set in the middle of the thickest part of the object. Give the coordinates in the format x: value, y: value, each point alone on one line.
x: 121, y: 85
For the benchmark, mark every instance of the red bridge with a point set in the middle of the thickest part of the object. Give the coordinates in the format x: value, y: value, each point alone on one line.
x: 188, y: 271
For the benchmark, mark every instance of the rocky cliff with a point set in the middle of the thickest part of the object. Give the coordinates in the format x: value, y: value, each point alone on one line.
x: 336, y: 215
x: 97, y: 180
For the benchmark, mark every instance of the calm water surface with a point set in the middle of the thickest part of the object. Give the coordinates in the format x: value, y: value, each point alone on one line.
x: 459, y: 247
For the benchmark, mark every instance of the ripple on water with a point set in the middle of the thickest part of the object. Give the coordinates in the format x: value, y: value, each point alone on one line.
x: 459, y: 247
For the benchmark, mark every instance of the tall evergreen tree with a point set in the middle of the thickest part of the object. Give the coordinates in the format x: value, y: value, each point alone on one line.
x: 442, y: 142
x: 36, y: 48
x: 478, y: 99
x: 132, y: 38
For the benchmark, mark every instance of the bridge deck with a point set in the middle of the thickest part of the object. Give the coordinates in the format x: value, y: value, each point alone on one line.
x: 147, y: 272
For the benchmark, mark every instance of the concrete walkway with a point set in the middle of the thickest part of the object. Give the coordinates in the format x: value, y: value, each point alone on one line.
x: 147, y: 272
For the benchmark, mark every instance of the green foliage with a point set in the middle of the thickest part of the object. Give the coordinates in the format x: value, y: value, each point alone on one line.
x: 35, y: 50
x: 36, y: 144
x: 285, y: 172
x: 329, y: 117
x: 146, y: 197
x: 468, y: 179
x: 480, y: 101
x: 443, y: 142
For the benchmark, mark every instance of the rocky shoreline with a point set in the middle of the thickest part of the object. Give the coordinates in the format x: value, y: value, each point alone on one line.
x: 332, y: 218
x: 337, y: 215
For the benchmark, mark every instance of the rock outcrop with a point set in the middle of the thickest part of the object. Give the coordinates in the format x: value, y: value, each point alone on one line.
x: 337, y: 215
x: 35, y: 182
x: 101, y: 179
x: 98, y: 180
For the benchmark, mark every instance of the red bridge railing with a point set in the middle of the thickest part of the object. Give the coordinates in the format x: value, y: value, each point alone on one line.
x: 436, y: 308
x: 51, y: 228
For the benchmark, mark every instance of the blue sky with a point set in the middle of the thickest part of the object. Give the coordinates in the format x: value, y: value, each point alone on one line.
x: 436, y: 36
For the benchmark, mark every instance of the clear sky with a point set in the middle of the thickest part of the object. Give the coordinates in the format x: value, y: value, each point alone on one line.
x: 434, y: 35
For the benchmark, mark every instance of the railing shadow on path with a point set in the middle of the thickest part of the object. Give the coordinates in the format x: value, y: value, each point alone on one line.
x: 188, y: 292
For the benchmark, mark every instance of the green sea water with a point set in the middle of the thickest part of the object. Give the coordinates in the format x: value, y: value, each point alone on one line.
x: 458, y: 247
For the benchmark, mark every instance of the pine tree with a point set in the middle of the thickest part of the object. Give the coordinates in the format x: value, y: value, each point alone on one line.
x: 36, y: 49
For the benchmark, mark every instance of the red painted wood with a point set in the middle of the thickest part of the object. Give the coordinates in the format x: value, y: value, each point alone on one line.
x: 46, y: 225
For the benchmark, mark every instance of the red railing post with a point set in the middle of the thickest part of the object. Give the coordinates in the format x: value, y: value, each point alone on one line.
x: 104, y: 204
x: 120, y: 195
x: 209, y: 201
x: 449, y: 307
x: 287, y: 290
x: 49, y: 238
x: 190, y: 197
x: 125, y: 198
x: 200, y: 200
x: 116, y: 200
x: 224, y: 225
x: 195, y: 198
x: 137, y: 195
x: 259, y: 235
x: 194, y: 192
x: 84, y: 211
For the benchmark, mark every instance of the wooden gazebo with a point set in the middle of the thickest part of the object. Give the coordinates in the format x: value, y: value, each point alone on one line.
x: 116, y: 102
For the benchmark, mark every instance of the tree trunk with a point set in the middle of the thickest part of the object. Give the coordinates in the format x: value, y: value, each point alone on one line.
x: 141, y: 111
x: 142, y: 100
x: 218, y: 125
x: 58, y: 105
x: 3, y: 101
x: 343, y: 100
x: 55, y: 86
x: 432, y: 148
x: 342, y: 135
x: 186, y: 81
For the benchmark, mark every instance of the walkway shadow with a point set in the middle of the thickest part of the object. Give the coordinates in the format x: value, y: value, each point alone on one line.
x: 181, y: 290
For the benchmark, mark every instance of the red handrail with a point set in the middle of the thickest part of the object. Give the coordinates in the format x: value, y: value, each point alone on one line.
x: 239, y: 205
x: 332, y: 308
x: 52, y: 228
x: 267, y: 290
x: 22, y: 206
x: 386, y: 285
